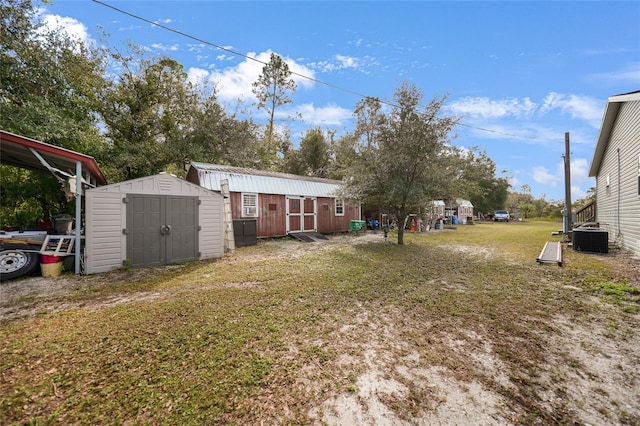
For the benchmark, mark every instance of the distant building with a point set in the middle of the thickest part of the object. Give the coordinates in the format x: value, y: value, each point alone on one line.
x: 280, y: 203
x: 463, y: 209
x: 435, y: 209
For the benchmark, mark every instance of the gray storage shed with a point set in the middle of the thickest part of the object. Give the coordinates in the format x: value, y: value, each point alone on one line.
x: 153, y: 220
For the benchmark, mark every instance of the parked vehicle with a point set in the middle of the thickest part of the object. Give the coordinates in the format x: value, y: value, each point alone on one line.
x: 19, y: 254
x: 501, y: 216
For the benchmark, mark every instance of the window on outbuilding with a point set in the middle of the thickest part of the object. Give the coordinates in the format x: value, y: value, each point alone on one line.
x: 249, y: 205
x: 339, y: 207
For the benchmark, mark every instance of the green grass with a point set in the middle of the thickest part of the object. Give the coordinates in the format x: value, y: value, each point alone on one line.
x: 237, y: 340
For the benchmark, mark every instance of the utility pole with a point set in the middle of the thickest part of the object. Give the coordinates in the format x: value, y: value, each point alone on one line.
x: 567, y: 187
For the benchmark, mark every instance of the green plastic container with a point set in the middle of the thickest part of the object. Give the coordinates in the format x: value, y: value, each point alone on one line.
x: 356, y: 225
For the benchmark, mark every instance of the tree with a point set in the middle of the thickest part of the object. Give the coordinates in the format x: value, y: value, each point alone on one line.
x: 149, y: 115
x: 49, y: 81
x: 589, y: 198
x: 272, y: 90
x: 400, y: 154
x: 48, y: 91
x: 343, y: 155
x: 314, y: 152
x: 478, y: 182
x: 517, y: 200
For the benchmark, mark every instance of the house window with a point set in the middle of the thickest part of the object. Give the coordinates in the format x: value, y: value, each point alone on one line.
x: 339, y: 207
x: 608, y: 186
x: 249, y: 205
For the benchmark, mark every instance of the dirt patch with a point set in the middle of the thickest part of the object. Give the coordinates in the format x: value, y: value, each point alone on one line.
x: 378, y: 377
x: 31, y: 296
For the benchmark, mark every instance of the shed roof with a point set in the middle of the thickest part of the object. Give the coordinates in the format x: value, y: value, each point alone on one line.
x: 264, y: 182
x: 609, y: 118
x: 463, y: 203
x: 161, y: 183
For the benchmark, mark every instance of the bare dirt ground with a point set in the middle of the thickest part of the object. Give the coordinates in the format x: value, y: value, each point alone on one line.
x: 604, y: 382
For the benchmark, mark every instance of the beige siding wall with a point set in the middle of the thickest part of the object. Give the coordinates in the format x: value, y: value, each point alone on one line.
x: 212, y: 227
x: 618, y: 203
x: 105, y: 219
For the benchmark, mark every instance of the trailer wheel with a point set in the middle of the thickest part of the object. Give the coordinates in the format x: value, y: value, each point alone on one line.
x: 17, y: 260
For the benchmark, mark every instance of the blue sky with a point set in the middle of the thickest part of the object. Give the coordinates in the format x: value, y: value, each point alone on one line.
x: 518, y: 74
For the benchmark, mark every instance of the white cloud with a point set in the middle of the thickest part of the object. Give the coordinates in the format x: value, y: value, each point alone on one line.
x: 235, y: 83
x: 514, y: 182
x: 484, y: 107
x: 579, y: 170
x: 582, y: 107
x: 628, y: 75
x: 579, y: 176
x: 542, y: 175
x: 73, y: 28
x: 577, y: 193
x: 330, y: 115
x: 197, y: 76
x: 341, y: 62
x: 165, y: 48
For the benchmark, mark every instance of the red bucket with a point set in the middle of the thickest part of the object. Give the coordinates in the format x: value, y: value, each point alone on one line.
x: 46, y: 259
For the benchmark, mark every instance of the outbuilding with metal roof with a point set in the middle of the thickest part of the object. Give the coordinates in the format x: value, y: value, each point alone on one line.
x: 278, y: 204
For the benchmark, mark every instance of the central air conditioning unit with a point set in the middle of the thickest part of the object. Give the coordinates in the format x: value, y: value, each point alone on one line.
x: 591, y: 240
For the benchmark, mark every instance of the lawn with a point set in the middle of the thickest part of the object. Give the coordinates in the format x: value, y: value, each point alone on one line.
x: 456, y: 326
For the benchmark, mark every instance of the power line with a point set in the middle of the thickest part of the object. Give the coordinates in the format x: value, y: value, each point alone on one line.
x: 511, y: 134
x: 315, y: 80
x: 200, y: 40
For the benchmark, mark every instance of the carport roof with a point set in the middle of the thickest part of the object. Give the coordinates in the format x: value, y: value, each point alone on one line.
x: 16, y: 150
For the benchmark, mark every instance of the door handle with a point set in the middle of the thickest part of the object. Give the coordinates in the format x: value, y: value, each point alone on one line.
x: 165, y: 230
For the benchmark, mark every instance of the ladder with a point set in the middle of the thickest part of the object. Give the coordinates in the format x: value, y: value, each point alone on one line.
x: 229, y: 240
x: 62, y: 245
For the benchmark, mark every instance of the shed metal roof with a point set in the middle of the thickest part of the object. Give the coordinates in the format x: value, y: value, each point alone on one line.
x: 608, y: 120
x: 18, y: 151
x: 264, y: 182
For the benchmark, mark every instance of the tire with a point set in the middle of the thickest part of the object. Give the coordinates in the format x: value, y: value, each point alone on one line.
x: 17, y: 260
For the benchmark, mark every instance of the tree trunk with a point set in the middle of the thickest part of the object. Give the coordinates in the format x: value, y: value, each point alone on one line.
x: 401, y: 220
x: 401, y: 234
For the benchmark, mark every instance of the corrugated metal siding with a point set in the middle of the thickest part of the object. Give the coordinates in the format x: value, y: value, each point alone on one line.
x: 618, y: 207
x: 210, y: 179
x: 273, y: 188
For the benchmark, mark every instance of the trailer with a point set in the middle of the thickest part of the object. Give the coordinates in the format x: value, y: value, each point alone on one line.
x: 21, y: 253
